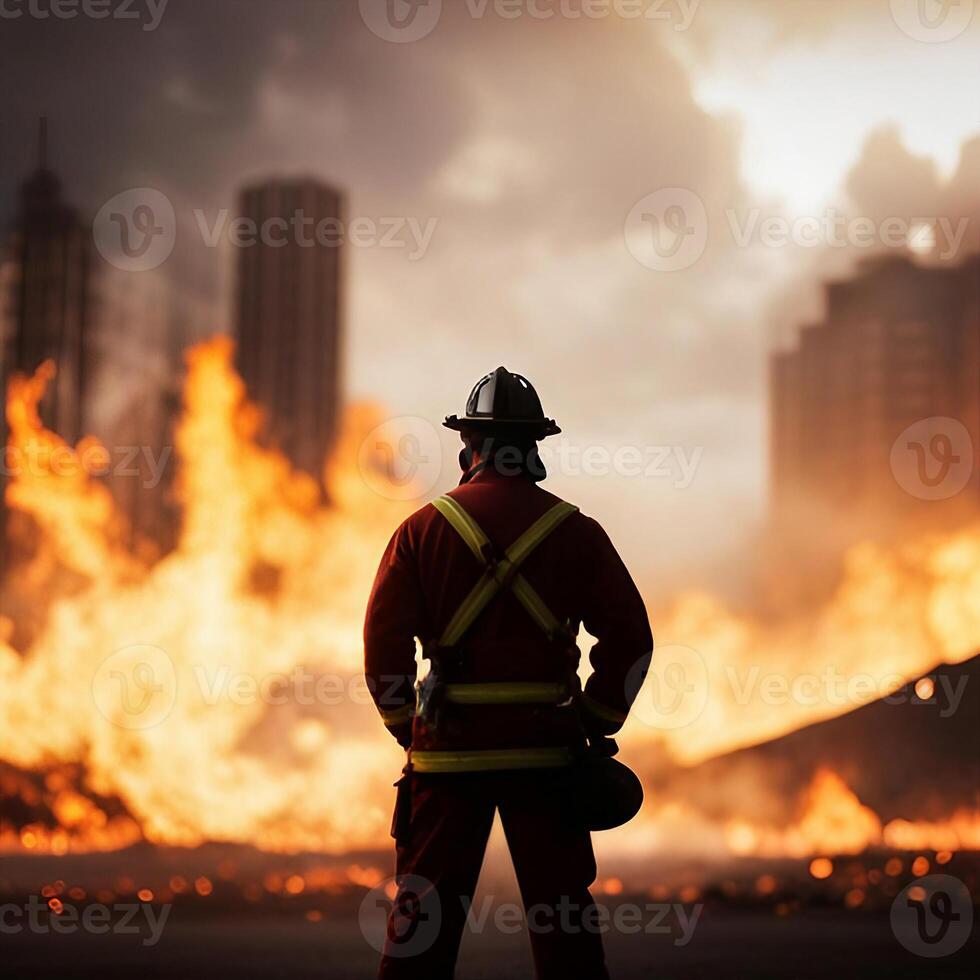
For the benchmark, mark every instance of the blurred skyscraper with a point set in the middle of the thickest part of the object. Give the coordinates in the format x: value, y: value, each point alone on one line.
x: 111, y: 335
x: 46, y: 312
x: 288, y: 314
x: 899, y: 346
x: 49, y: 300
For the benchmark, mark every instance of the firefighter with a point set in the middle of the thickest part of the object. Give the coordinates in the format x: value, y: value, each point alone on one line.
x: 494, y: 579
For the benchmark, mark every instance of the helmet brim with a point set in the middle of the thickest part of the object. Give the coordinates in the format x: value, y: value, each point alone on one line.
x: 539, y: 428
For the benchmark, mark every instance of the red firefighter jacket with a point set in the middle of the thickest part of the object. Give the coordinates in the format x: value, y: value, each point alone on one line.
x: 426, y: 573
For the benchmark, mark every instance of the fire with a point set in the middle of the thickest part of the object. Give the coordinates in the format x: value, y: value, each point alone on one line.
x: 835, y: 821
x: 215, y: 692
x: 79, y: 522
x: 961, y: 832
x: 897, y: 613
x: 224, y: 758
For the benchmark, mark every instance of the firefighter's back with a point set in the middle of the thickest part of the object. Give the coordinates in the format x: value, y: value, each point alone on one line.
x: 505, y: 655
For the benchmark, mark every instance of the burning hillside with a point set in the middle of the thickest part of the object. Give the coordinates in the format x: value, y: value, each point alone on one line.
x: 900, y: 773
x: 215, y: 694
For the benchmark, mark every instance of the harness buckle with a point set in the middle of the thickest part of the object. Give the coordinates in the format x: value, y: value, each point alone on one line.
x: 494, y: 562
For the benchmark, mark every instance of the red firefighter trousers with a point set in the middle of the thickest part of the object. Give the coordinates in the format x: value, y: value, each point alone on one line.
x: 442, y: 823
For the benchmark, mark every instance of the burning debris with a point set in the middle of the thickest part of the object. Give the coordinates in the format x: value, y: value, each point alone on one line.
x: 214, y: 880
x: 53, y: 811
x: 898, y: 773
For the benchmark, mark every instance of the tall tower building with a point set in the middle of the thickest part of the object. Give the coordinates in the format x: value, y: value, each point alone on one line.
x: 288, y: 314
x: 112, y: 337
x: 874, y: 420
x: 49, y: 304
x: 900, y: 343
x: 46, y: 274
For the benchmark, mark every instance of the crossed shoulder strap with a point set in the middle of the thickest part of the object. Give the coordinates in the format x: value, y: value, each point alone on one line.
x: 500, y: 573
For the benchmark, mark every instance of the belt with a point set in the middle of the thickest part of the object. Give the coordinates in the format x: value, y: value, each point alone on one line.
x: 486, y: 760
x: 509, y: 692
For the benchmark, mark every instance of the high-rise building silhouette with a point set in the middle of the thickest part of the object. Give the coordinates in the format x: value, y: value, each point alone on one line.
x: 47, y: 301
x: 288, y: 314
x: 899, y: 343
x: 111, y: 337
x: 49, y: 304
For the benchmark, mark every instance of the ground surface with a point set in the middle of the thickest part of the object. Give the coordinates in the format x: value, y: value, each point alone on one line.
x: 756, y: 946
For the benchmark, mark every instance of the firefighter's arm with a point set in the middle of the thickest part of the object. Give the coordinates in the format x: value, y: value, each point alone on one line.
x: 614, y: 613
x: 392, y: 622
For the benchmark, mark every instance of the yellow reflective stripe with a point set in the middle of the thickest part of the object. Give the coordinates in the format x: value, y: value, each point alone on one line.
x: 475, y: 539
x: 398, y: 716
x: 465, y: 526
x: 534, y: 604
x: 469, y: 609
x: 484, y: 760
x: 507, y: 692
x: 602, y: 711
x: 539, y: 530
x: 487, y: 588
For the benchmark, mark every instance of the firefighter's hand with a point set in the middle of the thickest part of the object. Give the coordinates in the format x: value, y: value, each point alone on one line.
x: 402, y: 733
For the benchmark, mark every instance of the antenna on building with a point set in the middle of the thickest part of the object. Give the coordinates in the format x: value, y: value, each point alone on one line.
x: 42, y: 143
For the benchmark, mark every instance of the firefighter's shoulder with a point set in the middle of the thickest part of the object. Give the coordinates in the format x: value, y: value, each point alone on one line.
x: 587, y: 530
x: 413, y: 528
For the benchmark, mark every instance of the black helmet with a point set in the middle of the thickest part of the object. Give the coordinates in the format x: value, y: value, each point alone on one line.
x: 503, y: 399
x: 608, y: 794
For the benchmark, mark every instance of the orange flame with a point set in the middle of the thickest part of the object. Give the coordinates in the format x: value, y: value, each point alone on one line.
x: 834, y: 821
x: 202, y: 758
